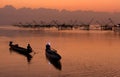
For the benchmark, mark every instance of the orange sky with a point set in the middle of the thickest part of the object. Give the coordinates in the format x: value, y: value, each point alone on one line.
x: 95, y: 5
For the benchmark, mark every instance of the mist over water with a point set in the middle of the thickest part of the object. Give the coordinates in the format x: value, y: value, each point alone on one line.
x: 10, y: 15
x: 84, y: 53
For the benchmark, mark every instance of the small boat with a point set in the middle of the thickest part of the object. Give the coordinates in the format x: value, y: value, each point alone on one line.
x: 19, y: 49
x: 52, y: 53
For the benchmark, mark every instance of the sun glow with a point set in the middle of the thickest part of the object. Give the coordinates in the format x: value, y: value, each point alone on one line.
x: 95, y: 5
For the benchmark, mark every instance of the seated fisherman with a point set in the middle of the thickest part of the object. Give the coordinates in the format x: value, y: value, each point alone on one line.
x: 29, y: 48
x: 48, y: 46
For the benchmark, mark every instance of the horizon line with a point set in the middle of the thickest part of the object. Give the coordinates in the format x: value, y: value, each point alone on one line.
x: 58, y: 9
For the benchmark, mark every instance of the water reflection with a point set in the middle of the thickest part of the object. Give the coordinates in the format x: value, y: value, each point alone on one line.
x: 56, y: 64
x: 84, y: 53
x: 28, y: 56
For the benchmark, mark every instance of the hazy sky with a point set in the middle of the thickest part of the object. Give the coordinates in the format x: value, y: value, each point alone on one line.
x: 95, y: 5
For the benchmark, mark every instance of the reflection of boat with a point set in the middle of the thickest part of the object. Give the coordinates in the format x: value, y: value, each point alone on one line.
x: 55, y: 63
x: 28, y: 56
x: 23, y: 51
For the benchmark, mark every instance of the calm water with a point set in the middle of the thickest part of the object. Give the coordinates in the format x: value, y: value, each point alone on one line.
x: 84, y: 53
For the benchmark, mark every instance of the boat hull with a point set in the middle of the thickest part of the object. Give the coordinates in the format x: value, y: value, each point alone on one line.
x: 20, y: 49
x: 52, y: 55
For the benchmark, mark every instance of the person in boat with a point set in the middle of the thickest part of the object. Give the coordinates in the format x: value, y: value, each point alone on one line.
x: 10, y: 43
x: 48, y: 47
x: 29, y: 48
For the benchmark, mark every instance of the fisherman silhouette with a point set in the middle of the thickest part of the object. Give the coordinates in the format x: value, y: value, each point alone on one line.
x: 48, y: 46
x: 29, y: 48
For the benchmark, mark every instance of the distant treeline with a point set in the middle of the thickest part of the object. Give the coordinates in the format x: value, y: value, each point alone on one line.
x: 9, y: 15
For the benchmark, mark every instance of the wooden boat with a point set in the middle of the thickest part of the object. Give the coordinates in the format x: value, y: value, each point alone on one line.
x: 52, y: 54
x: 21, y: 50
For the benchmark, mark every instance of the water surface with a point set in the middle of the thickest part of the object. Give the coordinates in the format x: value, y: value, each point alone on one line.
x: 84, y: 53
